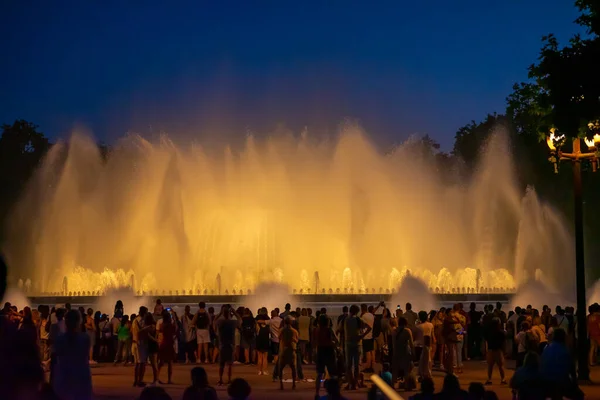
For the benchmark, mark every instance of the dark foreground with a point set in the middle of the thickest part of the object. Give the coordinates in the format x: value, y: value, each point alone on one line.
x: 116, y: 382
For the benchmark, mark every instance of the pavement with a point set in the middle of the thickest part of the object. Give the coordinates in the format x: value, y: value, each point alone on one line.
x: 115, y: 382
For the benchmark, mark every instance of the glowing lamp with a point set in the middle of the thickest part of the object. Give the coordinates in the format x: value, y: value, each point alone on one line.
x: 597, y: 139
x: 590, y: 143
x: 553, y: 140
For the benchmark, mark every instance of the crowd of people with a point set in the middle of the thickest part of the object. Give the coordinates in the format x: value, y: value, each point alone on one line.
x: 401, y: 345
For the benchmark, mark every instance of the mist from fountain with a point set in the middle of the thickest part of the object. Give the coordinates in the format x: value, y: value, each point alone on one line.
x: 16, y: 297
x: 162, y: 217
x: 414, y: 291
x: 271, y: 295
x: 537, y: 294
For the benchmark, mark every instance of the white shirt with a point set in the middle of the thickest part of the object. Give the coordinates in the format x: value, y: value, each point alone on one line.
x: 188, y: 327
x: 563, y: 322
x: 368, y: 319
x: 275, y: 324
x: 423, y: 329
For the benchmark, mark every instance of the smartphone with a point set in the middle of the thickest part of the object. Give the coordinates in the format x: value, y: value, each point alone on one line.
x: 168, y: 308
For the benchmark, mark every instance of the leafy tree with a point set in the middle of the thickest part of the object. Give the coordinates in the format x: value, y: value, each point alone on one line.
x: 22, y: 147
x: 563, y: 91
x: 470, y: 139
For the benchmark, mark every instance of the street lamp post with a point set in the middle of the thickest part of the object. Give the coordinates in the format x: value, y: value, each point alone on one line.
x: 576, y: 157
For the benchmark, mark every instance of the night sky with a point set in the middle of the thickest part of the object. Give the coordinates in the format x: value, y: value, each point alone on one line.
x: 221, y: 67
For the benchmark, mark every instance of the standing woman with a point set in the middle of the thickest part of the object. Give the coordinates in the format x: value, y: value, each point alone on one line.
x: 438, y: 327
x: 27, y: 326
x: 90, y: 329
x: 166, y: 347
x: 72, y: 378
x: 119, y: 309
x: 385, y: 334
x: 124, y: 341
x: 263, y: 341
x: 150, y: 325
x: 248, y: 334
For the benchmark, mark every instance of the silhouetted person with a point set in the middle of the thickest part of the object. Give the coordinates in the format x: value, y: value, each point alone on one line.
x: 200, y: 389
x: 333, y: 388
x: 451, y: 389
x: 226, y: 326
x: 427, y: 389
x: 154, y: 393
x: 495, y: 339
x: 527, y: 381
x: 73, y: 377
x: 239, y: 389
x: 476, y: 391
x: 288, y: 338
x: 558, y: 368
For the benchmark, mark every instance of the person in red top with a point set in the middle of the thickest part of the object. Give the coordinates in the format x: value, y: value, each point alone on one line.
x: 166, y: 345
x: 594, y: 331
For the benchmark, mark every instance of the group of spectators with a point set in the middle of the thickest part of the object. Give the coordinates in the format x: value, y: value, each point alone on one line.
x: 404, y: 346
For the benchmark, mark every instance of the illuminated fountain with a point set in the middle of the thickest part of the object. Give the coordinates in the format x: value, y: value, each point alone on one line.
x: 317, y: 215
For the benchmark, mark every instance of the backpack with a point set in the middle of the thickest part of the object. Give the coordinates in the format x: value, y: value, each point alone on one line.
x: 202, y: 322
x: 106, y: 330
x: 248, y: 330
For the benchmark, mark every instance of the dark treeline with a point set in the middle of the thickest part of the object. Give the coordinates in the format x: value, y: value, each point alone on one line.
x: 562, y: 92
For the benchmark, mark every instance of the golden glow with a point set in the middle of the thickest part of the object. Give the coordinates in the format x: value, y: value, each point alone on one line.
x: 597, y: 139
x: 165, y: 219
x: 81, y: 281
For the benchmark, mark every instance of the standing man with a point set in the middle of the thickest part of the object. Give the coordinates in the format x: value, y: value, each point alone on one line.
x: 594, y: 332
x: 275, y: 325
x: 501, y: 315
x: 424, y: 340
x: 288, y: 338
x: 288, y: 310
x: 226, y: 326
x: 354, y: 332
x: 139, y: 346
x: 340, y: 328
x: 368, y: 342
x: 304, y: 328
x: 202, y: 322
x: 410, y: 316
x: 189, y: 334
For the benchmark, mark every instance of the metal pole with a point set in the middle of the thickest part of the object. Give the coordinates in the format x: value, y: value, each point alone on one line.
x: 582, y: 339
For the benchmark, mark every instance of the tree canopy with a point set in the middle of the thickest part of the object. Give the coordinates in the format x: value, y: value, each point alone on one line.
x: 563, y: 90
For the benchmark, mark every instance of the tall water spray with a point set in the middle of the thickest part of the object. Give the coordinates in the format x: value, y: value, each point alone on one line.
x: 285, y: 209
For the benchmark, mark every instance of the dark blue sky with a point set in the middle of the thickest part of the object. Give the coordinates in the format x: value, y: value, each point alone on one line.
x: 192, y: 67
